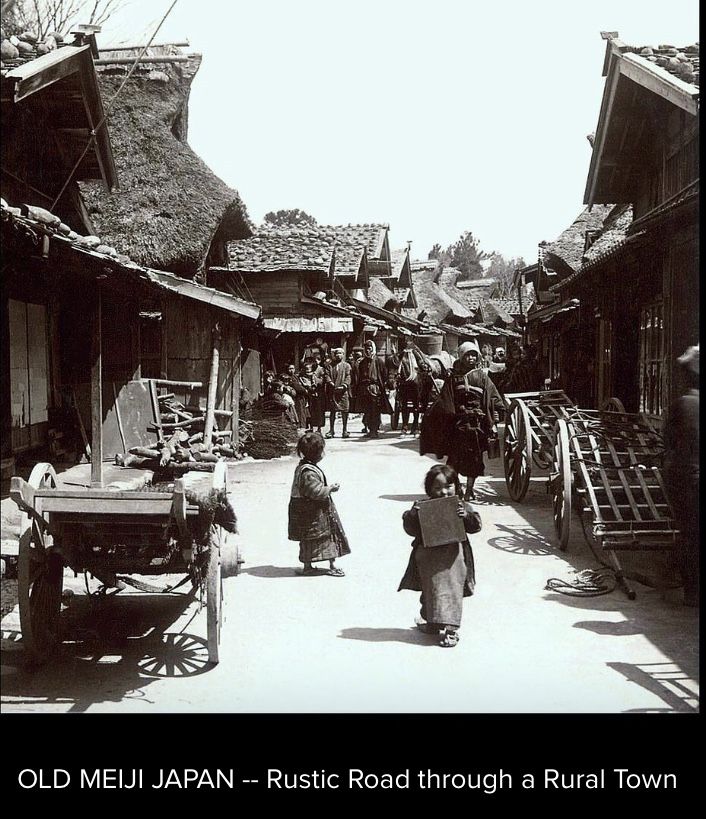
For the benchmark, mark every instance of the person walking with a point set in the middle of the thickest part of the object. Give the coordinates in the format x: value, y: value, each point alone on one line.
x: 338, y: 385
x: 444, y: 574
x: 371, y: 396
x: 681, y: 472
x: 463, y: 419
x: 313, y: 518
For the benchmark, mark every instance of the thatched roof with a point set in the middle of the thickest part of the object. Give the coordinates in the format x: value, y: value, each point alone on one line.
x: 565, y: 255
x: 613, y: 233
x: 380, y: 295
x: 435, y: 300
x: 170, y: 208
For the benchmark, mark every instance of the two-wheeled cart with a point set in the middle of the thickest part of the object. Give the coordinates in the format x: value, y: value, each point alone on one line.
x: 528, y: 442
x: 112, y: 533
x: 607, y: 465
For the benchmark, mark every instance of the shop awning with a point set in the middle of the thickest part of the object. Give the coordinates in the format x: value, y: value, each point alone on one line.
x: 309, y: 324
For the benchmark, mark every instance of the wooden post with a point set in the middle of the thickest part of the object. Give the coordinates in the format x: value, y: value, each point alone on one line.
x: 212, y: 389
x: 96, y: 396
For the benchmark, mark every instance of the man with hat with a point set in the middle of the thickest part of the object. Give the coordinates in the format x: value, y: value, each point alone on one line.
x: 371, y: 397
x: 681, y: 472
x: 337, y: 378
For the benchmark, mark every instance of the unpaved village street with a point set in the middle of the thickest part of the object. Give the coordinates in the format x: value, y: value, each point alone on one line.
x: 326, y: 644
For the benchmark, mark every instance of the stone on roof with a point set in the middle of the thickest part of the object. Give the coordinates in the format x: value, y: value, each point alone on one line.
x: 682, y: 63
x: 371, y: 236
x: 283, y: 248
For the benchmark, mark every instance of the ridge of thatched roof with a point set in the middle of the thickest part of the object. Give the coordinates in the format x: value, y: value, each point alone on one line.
x: 170, y: 208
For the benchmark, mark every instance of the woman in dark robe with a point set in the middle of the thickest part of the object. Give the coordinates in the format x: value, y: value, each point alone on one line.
x: 463, y: 418
x: 313, y: 384
x: 371, y: 395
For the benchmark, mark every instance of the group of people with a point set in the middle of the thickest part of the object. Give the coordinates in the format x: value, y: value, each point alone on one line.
x: 327, y: 383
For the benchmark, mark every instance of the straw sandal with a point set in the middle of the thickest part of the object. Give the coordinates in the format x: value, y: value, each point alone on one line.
x: 334, y: 571
x: 449, y: 639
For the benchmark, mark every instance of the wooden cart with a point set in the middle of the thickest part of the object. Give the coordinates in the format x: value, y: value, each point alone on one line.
x: 529, y: 434
x: 609, y: 464
x: 111, y: 533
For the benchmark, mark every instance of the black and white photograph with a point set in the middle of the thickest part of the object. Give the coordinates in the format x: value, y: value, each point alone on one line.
x: 350, y: 357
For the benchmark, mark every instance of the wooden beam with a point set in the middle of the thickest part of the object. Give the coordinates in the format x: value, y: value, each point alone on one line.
x: 652, y: 77
x: 97, y: 396
x: 38, y: 74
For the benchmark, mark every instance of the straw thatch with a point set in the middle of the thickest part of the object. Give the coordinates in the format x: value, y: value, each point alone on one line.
x: 565, y: 255
x: 170, y: 208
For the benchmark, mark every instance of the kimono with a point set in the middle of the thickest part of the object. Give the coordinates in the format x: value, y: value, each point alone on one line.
x: 313, y: 384
x: 460, y: 422
x: 443, y: 574
x: 313, y: 518
x: 338, y: 385
x: 371, y: 394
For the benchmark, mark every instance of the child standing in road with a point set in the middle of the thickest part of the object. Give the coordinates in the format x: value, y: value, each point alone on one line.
x: 313, y: 518
x: 443, y: 574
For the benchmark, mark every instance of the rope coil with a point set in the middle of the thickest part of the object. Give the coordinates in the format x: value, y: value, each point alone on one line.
x: 586, y: 583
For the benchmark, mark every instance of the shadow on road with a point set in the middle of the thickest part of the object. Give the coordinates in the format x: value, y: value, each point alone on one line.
x: 271, y: 571
x: 521, y: 540
x: 113, y: 649
x: 404, y: 498
x: 666, y: 680
x: 389, y: 635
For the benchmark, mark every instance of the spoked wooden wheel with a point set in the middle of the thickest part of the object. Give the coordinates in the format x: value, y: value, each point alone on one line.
x: 613, y: 404
x: 40, y: 576
x: 214, y: 595
x: 517, y: 451
x: 561, y: 484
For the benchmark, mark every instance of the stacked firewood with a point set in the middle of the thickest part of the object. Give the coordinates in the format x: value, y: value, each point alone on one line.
x: 181, y: 444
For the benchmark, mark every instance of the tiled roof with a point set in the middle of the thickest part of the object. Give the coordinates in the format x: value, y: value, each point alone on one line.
x: 682, y: 63
x: 569, y: 246
x: 293, y: 248
x: 511, y: 306
x: 371, y: 236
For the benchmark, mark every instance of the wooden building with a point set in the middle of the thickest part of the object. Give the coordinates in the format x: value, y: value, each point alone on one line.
x: 54, y: 261
x: 290, y: 272
x: 171, y: 213
x: 631, y: 306
x: 50, y: 105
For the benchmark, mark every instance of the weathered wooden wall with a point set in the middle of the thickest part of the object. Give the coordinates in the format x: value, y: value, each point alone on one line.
x: 188, y: 346
x: 277, y: 293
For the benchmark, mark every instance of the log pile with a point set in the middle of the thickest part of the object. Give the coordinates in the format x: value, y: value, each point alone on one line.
x: 181, y: 443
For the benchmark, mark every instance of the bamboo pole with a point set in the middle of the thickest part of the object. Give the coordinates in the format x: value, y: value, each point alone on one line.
x: 212, y: 388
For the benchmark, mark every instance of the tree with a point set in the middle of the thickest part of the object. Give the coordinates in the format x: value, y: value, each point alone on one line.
x: 466, y: 255
x: 503, y: 270
x: 44, y: 16
x: 293, y: 216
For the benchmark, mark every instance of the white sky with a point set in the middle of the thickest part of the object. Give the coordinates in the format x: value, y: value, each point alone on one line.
x: 437, y: 117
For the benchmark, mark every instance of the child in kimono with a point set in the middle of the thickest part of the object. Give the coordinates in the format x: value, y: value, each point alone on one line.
x: 443, y: 574
x: 313, y: 518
